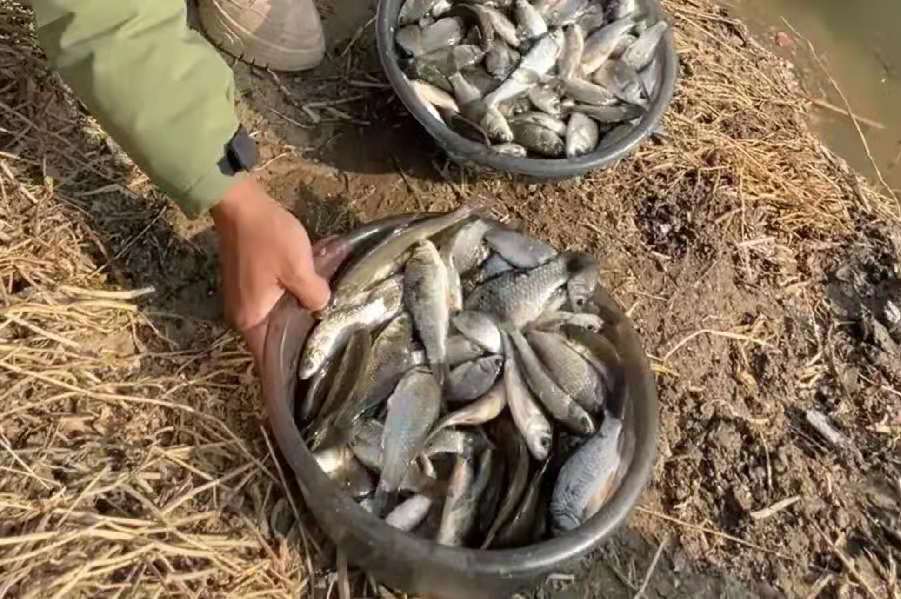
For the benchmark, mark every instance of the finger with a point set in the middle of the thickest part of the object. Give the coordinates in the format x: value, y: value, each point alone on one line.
x: 255, y: 337
x: 310, y: 289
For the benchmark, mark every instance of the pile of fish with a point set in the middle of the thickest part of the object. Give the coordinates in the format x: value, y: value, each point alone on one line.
x: 460, y: 385
x: 549, y: 79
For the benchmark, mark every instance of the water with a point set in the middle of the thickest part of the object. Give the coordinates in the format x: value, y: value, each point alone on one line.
x: 860, y: 42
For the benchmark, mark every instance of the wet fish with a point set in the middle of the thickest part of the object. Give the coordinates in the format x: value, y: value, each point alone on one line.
x: 461, y: 506
x: 527, y: 415
x: 520, y: 250
x: 582, y: 135
x: 592, y: 18
x: 576, y: 377
x: 588, y: 93
x: 571, y: 56
x: 479, y: 328
x: 514, y: 150
x: 434, y: 96
x: 519, y: 529
x: 480, y: 78
x: 465, y: 93
x: 410, y: 513
x: 331, y: 333
x: 545, y: 99
x: 317, y: 389
x: 366, y: 445
x: 519, y: 297
x: 530, y: 20
x: 417, y: 40
x: 587, y: 478
x: 516, y: 459
x: 515, y: 106
x: 480, y: 411
x: 565, y: 12
x: 622, y: 81
x: 496, y: 126
x: 625, y: 8
x: 339, y: 464
x: 602, y: 355
x: 441, y: 7
x: 616, y: 113
x: 494, y: 266
x: 501, y: 60
x: 455, y: 442
x: 413, y: 10
x: 424, y: 71
x: 451, y: 59
x: 584, y: 281
x: 473, y: 379
x: 387, y: 257
x: 491, y: 497
x: 454, y: 286
x: 460, y: 349
x: 538, y: 139
x: 426, y: 297
x: 502, y: 26
x: 536, y: 63
x: 554, y: 320
x: 466, y: 246
x: 412, y: 410
x: 545, y: 120
x: 650, y: 77
x: 601, y: 44
x: 557, y: 402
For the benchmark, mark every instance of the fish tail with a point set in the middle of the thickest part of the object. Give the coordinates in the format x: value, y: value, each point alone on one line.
x: 441, y: 372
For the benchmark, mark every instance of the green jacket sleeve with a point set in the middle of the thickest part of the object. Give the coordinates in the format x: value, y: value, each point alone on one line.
x: 156, y: 86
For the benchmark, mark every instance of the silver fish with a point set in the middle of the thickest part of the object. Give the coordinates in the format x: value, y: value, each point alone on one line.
x: 366, y: 444
x: 601, y: 354
x: 616, y: 135
x: 339, y: 464
x: 454, y: 285
x: 527, y: 415
x: 410, y: 513
x: 491, y: 497
x: 514, y: 150
x: 480, y: 328
x: 387, y: 257
x: 330, y: 335
x: 621, y: 80
x: 413, y: 10
x: 582, y: 135
x: 592, y: 18
x: 582, y: 284
x: 465, y: 245
x: 502, y: 26
x: 565, y: 12
x: 571, y: 56
x: 650, y: 78
x: 538, y: 139
x: 530, y: 20
x: 545, y: 120
x: 545, y: 99
x: 519, y: 529
x: 624, y: 43
x: 515, y: 106
x: 536, y: 63
x: 587, y: 478
x: 625, y: 8
x: 426, y: 297
x: 520, y: 297
x: 501, y: 60
x: 569, y: 370
x: 461, y: 506
x: 496, y: 126
x: 441, y: 7
x: 554, y: 320
x: 460, y: 349
x: 452, y: 59
x: 428, y: 72
x: 601, y: 44
x: 616, y: 113
x: 480, y: 79
x: 557, y: 402
x: 417, y: 40
x: 520, y: 250
x: 473, y: 379
x: 464, y: 92
x: 480, y: 411
x: 317, y: 389
x: 588, y: 93
x: 433, y: 96
x: 494, y: 266
x: 554, y: 304
x: 450, y: 441
x: 412, y: 410
x: 516, y: 457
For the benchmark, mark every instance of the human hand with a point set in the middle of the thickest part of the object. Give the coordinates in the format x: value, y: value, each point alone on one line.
x: 263, y: 252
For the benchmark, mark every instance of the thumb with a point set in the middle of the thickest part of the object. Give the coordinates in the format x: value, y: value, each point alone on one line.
x: 310, y: 289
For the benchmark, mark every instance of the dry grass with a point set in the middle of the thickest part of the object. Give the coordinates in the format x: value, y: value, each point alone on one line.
x: 132, y: 463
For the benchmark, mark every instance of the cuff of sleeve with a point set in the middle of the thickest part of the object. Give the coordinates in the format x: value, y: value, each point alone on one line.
x: 207, y: 191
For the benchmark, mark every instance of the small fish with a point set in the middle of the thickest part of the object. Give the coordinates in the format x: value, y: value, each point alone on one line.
x: 417, y: 40
x: 515, y: 106
x: 366, y: 444
x: 410, y: 513
x: 617, y: 135
x: 480, y: 411
x: 479, y: 328
x: 545, y: 120
x: 538, y: 139
x: 517, y: 249
x: 554, y: 320
x: 502, y: 26
x: 569, y: 370
x: 317, y: 389
x: 491, y: 497
x: 465, y: 93
x: 521, y: 526
x: 601, y: 44
x: 434, y: 96
x: 460, y: 349
x: 584, y: 281
x: 413, y: 10
x: 441, y: 8
x: 603, y: 357
x: 339, y: 464
x: 454, y: 442
x: 588, y: 93
x: 624, y: 43
x: 501, y: 60
x: 461, y: 506
x: 496, y: 126
x: 545, y: 99
x: 625, y: 8
x: 650, y: 78
x: 622, y: 81
x: 454, y: 285
x: 480, y: 79
x: 565, y: 12
x: 331, y: 333
x: 451, y: 59
x: 582, y: 135
x: 527, y: 415
x: 592, y: 19
x: 530, y: 20
x: 466, y: 247
x: 557, y: 402
x: 494, y: 266
x: 588, y: 477
x: 412, y: 410
x: 536, y: 63
x: 514, y: 150
x: 516, y: 460
x: 426, y: 297
x: 473, y: 379
x: 616, y: 113
x: 571, y: 56
x: 423, y: 71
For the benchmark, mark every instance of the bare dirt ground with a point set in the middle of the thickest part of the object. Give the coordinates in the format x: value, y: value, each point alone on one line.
x: 762, y: 274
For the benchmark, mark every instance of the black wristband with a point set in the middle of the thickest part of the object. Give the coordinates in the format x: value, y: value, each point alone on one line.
x: 240, y: 153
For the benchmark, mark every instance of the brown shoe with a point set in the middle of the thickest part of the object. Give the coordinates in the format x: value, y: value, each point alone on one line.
x: 284, y: 35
